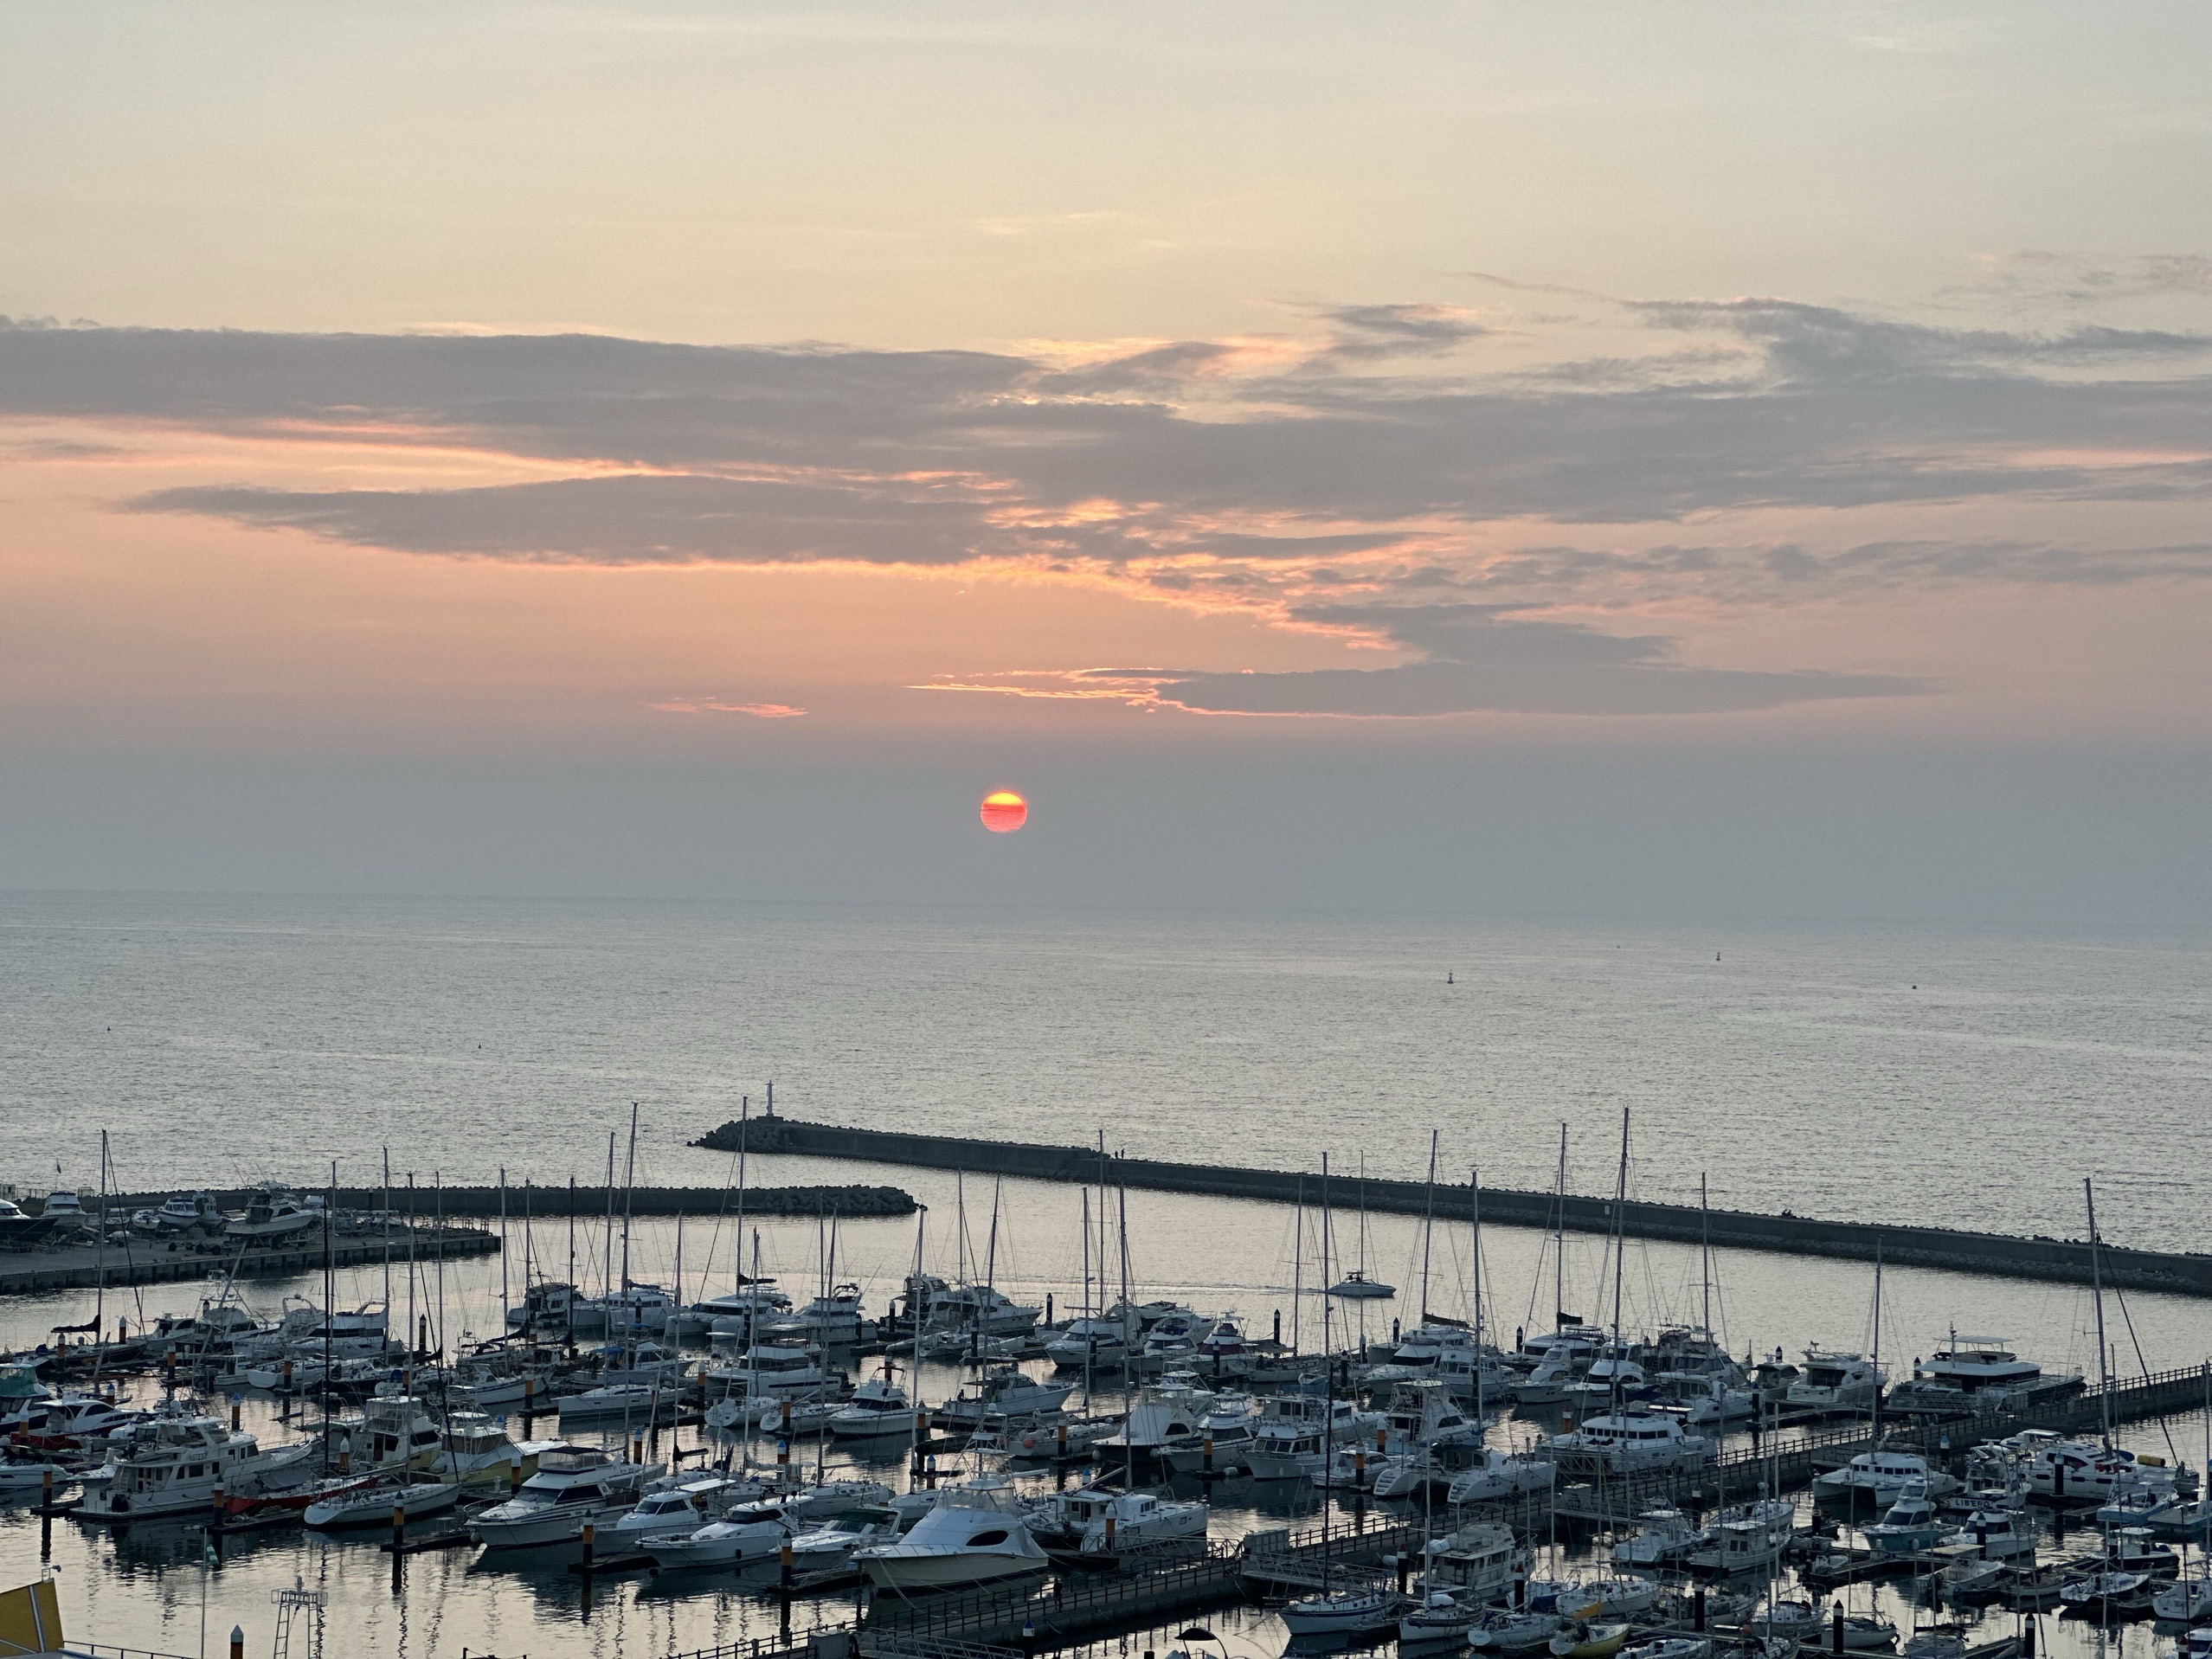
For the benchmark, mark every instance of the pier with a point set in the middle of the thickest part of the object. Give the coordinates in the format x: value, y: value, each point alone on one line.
x: 1999, y: 1255
x: 85, y: 1267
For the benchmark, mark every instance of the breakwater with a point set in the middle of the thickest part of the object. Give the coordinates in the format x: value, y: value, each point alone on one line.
x: 83, y: 1267
x: 483, y: 1202
x: 2001, y: 1255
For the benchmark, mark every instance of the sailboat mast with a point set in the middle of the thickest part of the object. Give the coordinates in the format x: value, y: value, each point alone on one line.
x: 1298, y: 1267
x: 1474, y: 1202
x: 99, y: 1296
x: 387, y: 1224
x: 606, y: 1240
x: 1559, y: 1240
x: 503, y: 1295
x: 1704, y: 1248
x: 629, y: 1190
x: 1620, y: 1209
x: 1428, y: 1224
x: 1874, y: 1414
x: 737, y: 1255
x: 2097, y: 1284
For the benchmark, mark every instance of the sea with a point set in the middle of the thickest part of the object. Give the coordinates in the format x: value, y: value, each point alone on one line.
x: 1961, y: 1075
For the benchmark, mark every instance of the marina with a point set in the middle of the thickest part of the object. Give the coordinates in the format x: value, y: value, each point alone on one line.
x: 1362, y: 1510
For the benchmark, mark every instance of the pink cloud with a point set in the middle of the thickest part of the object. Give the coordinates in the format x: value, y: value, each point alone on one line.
x: 714, y: 705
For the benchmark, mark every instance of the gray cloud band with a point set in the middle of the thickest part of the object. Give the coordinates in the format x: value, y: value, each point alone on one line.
x: 1194, y: 475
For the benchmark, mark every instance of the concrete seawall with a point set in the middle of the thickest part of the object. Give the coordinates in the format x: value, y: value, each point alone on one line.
x: 482, y: 1202
x: 2001, y: 1255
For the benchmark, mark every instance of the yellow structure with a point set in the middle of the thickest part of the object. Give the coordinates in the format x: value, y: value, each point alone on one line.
x: 30, y: 1621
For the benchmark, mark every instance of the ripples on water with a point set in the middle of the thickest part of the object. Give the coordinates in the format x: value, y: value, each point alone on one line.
x: 1950, y: 1075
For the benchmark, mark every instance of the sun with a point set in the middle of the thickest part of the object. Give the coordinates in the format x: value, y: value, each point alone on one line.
x: 1004, y: 812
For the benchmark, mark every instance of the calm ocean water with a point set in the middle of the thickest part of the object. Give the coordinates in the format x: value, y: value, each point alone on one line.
x: 1906, y: 1074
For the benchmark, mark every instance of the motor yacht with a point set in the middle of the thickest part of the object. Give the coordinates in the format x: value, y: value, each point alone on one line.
x: 573, y: 1484
x: 175, y: 1463
x: 1977, y: 1373
x: 975, y: 1534
x: 1880, y: 1478
x: 1495, y: 1474
x: 1834, y: 1381
x: 271, y: 1217
x: 877, y: 1410
x: 1628, y: 1442
x: 750, y: 1531
x: 1003, y: 1393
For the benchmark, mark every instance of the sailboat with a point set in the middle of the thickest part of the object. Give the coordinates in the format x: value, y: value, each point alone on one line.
x: 1356, y: 1286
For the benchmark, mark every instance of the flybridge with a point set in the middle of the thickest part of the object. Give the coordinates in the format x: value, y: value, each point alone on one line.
x: 2003, y: 1255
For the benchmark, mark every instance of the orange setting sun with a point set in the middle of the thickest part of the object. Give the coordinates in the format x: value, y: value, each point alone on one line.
x: 1004, y: 812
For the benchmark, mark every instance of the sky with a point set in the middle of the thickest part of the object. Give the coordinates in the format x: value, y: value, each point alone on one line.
x: 1732, y: 457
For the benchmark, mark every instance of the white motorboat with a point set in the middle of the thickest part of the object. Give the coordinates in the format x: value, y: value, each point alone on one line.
x: 1345, y: 1613
x: 674, y: 1506
x: 824, y: 1547
x: 1835, y: 1381
x: 1004, y: 1393
x: 551, y: 1307
x: 393, y: 1431
x: 2084, y: 1472
x: 64, y: 1211
x: 1747, y: 1539
x: 750, y: 1531
x: 733, y: 1315
x: 306, y: 1336
x: 1880, y: 1478
x: 1356, y: 1286
x: 1426, y: 1416
x: 1613, y: 1379
x: 372, y: 1504
x: 1479, y: 1562
x: 974, y: 1534
x: 175, y: 1463
x: 1099, y: 1520
x: 1908, y: 1526
x: 19, y: 1228
x: 977, y: 1310
x: 474, y: 1451
x: 634, y: 1310
x: 1495, y: 1474
x: 833, y: 1321
x: 272, y: 1216
x: 573, y: 1484
x: 639, y: 1402
x: 1663, y: 1537
x: 766, y: 1368
x: 877, y: 1410
x: 1628, y: 1442
x: 1224, y: 1431
x: 1993, y: 1534
x: 185, y: 1212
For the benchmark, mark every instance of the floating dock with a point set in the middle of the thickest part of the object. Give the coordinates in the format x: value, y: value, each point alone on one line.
x: 2000, y: 1255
